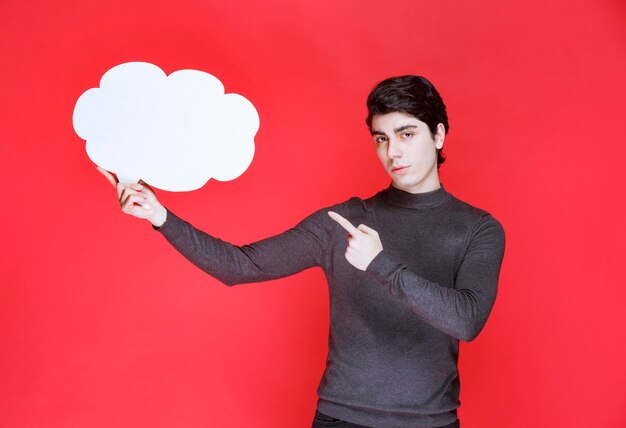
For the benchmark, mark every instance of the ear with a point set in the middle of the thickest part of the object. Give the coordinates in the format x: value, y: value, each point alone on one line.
x: 440, y: 136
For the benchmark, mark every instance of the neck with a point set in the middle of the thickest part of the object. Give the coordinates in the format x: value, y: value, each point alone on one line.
x: 428, y: 184
x: 425, y: 199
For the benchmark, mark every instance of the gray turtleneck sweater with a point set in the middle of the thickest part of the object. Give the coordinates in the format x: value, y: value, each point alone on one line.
x: 395, y: 328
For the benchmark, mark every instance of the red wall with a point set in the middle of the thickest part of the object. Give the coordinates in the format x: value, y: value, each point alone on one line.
x: 102, y: 324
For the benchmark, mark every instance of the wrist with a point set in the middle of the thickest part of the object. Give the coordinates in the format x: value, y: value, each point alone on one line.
x: 158, y: 218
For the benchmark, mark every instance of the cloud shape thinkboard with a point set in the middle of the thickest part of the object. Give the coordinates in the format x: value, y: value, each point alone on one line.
x: 174, y: 132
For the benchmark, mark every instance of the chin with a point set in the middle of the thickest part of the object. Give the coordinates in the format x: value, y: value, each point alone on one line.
x: 403, y: 186
x: 406, y: 183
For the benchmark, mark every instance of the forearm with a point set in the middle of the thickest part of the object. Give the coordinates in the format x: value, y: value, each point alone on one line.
x: 460, y: 310
x: 459, y: 313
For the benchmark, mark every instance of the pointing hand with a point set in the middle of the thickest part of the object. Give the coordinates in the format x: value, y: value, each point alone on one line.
x: 363, y: 243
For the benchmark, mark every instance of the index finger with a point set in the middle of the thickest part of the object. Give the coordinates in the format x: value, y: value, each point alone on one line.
x: 108, y: 176
x: 344, y: 223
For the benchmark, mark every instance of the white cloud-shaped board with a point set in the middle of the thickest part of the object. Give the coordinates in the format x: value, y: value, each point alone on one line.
x: 174, y: 132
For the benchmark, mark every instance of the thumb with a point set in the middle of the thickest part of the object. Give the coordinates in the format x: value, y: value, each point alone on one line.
x: 110, y: 177
x: 146, y: 185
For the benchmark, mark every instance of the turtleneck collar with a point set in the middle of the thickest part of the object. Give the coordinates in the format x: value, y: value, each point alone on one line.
x: 404, y: 199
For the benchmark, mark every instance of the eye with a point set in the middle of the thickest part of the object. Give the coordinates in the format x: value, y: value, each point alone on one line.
x: 406, y: 135
x: 380, y: 139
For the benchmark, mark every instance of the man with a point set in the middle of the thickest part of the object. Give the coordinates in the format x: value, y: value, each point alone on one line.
x: 418, y: 273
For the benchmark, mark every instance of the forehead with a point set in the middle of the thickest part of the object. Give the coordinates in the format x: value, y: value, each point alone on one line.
x: 394, y: 120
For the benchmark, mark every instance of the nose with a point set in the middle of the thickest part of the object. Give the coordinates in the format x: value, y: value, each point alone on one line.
x: 393, y: 148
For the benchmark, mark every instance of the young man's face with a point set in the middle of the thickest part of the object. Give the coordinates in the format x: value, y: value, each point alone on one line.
x: 408, y: 151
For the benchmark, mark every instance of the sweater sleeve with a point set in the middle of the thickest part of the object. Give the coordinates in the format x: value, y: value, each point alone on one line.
x: 282, y: 255
x: 460, y: 311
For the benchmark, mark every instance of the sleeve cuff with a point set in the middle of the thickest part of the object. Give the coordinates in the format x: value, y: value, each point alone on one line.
x: 382, y: 267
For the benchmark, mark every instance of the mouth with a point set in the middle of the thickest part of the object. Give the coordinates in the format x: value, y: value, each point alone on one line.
x: 399, y: 169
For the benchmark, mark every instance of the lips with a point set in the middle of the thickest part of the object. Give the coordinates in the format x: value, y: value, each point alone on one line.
x: 399, y: 169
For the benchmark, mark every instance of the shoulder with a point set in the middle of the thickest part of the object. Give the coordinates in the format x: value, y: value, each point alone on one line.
x: 347, y: 208
x: 471, y: 212
x: 481, y: 223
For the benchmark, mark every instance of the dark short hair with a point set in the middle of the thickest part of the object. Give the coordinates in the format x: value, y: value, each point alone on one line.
x: 413, y: 95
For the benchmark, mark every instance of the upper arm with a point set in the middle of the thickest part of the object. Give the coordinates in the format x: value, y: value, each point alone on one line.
x: 479, y: 271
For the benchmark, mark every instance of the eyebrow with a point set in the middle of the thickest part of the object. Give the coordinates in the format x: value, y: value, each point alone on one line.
x: 396, y: 130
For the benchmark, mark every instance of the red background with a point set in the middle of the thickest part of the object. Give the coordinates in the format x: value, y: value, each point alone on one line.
x: 102, y: 324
